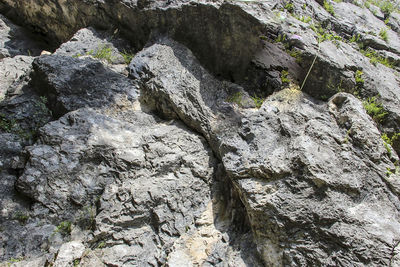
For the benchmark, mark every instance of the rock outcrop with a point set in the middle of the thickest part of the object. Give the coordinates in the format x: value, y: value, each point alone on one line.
x: 294, y: 161
x: 199, y: 133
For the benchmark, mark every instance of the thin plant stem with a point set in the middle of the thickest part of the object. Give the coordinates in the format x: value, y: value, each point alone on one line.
x: 309, y: 70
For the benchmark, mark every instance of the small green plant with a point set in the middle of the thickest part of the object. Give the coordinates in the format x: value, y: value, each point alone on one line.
x: 347, y: 137
x: 323, y: 34
x: 76, y: 262
x: 386, y: 138
x: 295, y: 54
x: 101, y: 52
x: 6, y: 124
x: 291, y: 51
x: 305, y: 19
x: 87, y: 217
x: 284, y: 77
x: 357, y: 3
x: 324, y: 97
x: 236, y: 98
x: 355, y: 38
x: 374, y: 109
x: 358, y: 76
x: 328, y: 7
x: 289, y: 7
x: 258, y: 101
x: 386, y: 7
x: 386, y: 21
x: 388, y: 149
x: 383, y: 34
x: 21, y: 217
x: 128, y: 56
x: 104, y: 52
x: 375, y: 58
x: 43, y: 112
x: 390, y: 140
x: 64, y: 228
x: 10, y: 125
x: 281, y: 38
x: 14, y: 260
x: 390, y: 171
x: 101, y: 245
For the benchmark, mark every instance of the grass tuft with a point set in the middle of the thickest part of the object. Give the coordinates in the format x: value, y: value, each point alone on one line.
x: 128, y: 56
x: 358, y: 76
x: 64, y: 228
x: 284, y: 77
x: 328, y: 7
x: 236, y: 98
x: 383, y: 34
x: 374, y: 109
x: 258, y: 101
x: 376, y: 58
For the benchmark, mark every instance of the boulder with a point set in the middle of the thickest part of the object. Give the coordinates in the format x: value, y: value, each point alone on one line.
x: 71, y: 83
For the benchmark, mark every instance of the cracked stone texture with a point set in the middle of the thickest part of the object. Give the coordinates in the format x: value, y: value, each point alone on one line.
x: 15, y: 40
x: 303, y: 182
x: 130, y: 181
x: 233, y: 38
x: 70, y: 83
x: 312, y: 175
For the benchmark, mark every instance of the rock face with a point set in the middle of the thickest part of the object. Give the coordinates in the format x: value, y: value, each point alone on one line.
x: 310, y: 158
x: 16, y: 40
x: 71, y: 83
x: 239, y: 134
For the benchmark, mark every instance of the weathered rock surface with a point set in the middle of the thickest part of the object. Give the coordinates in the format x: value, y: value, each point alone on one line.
x: 214, y: 150
x: 22, y: 230
x: 228, y: 40
x: 12, y: 71
x: 88, y: 41
x: 125, y: 180
x: 72, y: 83
x: 311, y: 175
x: 15, y: 40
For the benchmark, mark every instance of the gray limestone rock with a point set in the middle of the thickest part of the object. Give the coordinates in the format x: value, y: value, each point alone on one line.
x: 309, y: 174
x: 15, y: 40
x: 138, y: 22
x: 13, y: 71
x: 122, y: 177
x: 99, y: 44
x: 106, y: 47
x: 139, y: 184
x: 167, y: 89
x: 71, y: 83
x: 69, y: 253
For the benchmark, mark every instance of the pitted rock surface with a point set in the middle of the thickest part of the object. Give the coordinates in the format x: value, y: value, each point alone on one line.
x: 241, y: 133
x: 327, y: 160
